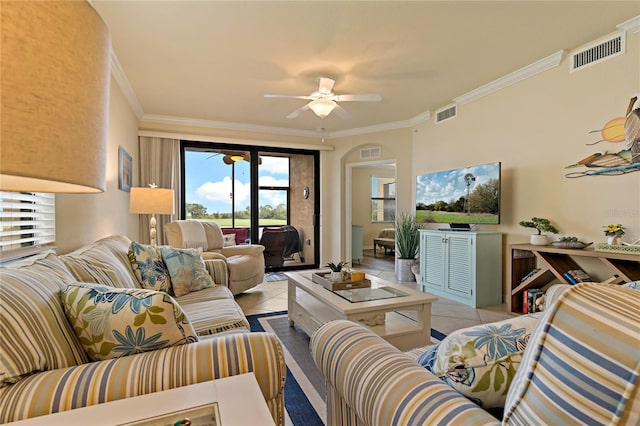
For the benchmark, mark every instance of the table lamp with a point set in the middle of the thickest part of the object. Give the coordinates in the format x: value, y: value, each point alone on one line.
x: 54, y: 98
x: 152, y: 200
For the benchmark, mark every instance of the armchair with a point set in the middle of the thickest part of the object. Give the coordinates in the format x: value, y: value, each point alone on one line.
x: 245, y: 262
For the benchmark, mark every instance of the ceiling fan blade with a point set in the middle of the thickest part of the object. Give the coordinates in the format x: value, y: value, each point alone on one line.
x: 342, y: 113
x: 297, y: 112
x: 367, y: 97
x: 289, y: 97
x: 326, y: 85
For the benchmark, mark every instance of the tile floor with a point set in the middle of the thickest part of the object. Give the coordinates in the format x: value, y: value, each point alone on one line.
x: 446, y: 315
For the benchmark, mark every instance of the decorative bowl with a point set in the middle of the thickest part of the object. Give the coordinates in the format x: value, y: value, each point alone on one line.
x: 571, y: 244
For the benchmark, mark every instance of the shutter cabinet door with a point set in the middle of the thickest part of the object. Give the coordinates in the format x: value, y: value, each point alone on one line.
x: 434, y: 260
x: 460, y: 276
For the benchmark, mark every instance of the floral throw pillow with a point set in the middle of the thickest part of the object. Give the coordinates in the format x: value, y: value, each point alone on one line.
x: 149, y: 268
x: 187, y: 270
x: 481, y: 361
x: 114, y: 322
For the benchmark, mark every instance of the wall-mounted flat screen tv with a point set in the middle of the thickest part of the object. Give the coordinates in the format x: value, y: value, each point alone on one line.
x: 460, y: 197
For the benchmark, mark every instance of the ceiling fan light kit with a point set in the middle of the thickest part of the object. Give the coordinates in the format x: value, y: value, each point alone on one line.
x: 322, y: 107
x: 324, y: 101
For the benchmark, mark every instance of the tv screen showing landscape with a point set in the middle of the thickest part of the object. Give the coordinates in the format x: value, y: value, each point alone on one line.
x: 468, y: 195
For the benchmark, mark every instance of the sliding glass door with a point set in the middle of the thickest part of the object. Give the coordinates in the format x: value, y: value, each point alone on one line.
x: 256, y: 195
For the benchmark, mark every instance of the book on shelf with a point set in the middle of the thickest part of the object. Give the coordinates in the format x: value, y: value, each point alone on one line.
x: 530, y: 274
x: 575, y: 276
x: 532, y: 296
x: 569, y: 278
x: 534, y: 301
x: 529, y: 298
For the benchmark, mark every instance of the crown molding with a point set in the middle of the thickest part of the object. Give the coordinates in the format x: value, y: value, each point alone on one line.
x: 224, y: 125
x: 425, y: 116
x: 537, y: 67
x: 244, y: 127
x: 235, y: 141
x: 631, y: 26
x: 121, y: 78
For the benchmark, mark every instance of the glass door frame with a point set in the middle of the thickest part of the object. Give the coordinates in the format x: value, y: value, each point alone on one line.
x: 254, y: 151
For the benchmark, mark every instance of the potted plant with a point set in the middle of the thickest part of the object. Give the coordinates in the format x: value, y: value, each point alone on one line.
x: 407, y: 245
x: 613, y: 232
x: 541, y: 225
x: 336, y: 270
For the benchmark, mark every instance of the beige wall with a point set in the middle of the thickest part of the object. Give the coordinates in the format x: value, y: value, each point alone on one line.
x: 395, y: 147
x: 83, y: 218
x: 361, y: 201
x: 301, y: 216
x: 536, y: 128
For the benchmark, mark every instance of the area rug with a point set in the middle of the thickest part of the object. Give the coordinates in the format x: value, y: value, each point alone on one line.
x: 274, y: 276
x: 304, y: 393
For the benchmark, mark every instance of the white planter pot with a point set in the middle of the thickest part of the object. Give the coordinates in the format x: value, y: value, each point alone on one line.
x: 539, y: 240
x: 613, y: 241
x: 403, y: 269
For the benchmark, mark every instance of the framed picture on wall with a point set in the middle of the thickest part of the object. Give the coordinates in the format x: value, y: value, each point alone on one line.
x: 125, y: 170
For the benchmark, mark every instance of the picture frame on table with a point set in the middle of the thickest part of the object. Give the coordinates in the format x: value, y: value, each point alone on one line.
x: 125, y: 170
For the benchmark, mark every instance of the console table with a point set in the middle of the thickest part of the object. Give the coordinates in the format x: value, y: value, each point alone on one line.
x: 554, y: 262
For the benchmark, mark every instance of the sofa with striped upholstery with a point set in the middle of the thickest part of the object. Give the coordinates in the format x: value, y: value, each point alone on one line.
x: 581, y: 365
x: 44, y: 368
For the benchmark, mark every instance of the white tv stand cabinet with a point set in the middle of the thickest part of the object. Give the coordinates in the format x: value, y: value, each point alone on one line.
x: 462, y: 266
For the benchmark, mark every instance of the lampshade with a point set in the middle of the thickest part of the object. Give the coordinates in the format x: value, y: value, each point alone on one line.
x: 54, y: 98
x: 322, y: 107
x: 151, y: 201
x: 237, y: 157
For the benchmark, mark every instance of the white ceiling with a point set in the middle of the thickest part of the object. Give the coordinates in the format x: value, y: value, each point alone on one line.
x: 214, y: 60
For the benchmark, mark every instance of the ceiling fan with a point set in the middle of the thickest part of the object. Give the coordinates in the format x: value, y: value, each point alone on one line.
x: 231, y: 157
x: 324, y: 101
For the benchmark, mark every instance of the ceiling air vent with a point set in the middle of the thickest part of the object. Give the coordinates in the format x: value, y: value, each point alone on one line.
x: 369, y: 153
x: 446, y: 113
x: 597, y: 51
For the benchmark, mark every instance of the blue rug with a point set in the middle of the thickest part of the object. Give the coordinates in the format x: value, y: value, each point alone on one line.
x: 304, y: 393
x: 299, y: 409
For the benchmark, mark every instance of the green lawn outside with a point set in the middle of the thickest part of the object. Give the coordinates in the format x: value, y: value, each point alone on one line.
x: 448, y: 217
x: 246, y: 223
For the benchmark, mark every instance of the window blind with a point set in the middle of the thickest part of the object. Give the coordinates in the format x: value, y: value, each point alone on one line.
x: 27, y: 223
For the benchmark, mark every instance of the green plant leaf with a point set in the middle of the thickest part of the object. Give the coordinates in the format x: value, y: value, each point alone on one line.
x: 106, y: 347
x: 499, y: 378
x: 157, y: 319
x: 97, y: 338
x: 139, y: 319
x: 156, y: 309
x: 484, y: 383
x: 71, y: 296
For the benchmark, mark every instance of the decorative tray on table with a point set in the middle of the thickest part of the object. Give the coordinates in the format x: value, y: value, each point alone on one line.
x: 624, y: 249
x: 571, y: 244
x: 323, y: 279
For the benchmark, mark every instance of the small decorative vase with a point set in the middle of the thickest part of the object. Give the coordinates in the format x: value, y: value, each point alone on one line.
x: 539, y: 240
x: 335, y: 276
x: 613, y: 240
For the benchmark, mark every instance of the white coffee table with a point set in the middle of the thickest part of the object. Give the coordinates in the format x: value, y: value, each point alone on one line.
x: 311, y: 305
x: 238, y: 398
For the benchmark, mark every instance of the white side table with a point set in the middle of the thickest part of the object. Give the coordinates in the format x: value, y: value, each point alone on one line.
x: 239, y: 400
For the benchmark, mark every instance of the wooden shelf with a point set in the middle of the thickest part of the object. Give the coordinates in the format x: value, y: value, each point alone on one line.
x: 554, y: 262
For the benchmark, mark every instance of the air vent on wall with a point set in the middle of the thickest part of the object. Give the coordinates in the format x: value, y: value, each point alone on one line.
x: 598, y: 51
x: 446, y: 113
x: 369, y: 153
